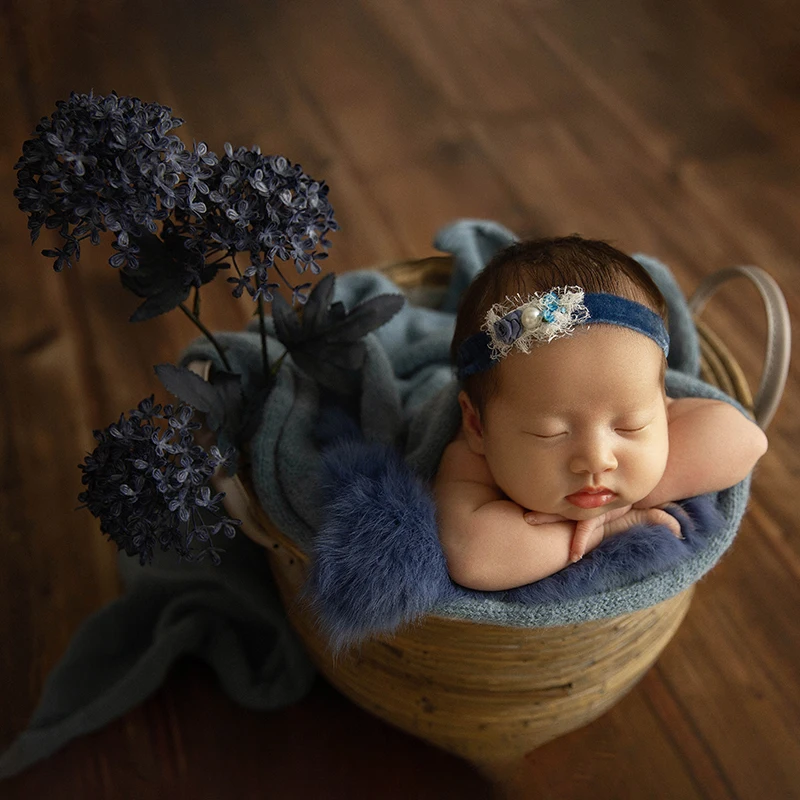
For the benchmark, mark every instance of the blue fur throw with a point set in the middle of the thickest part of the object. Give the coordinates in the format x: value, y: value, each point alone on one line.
x: 377, y: 562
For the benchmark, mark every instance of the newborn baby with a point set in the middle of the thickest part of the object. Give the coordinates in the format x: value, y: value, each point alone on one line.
x: 567, y: 434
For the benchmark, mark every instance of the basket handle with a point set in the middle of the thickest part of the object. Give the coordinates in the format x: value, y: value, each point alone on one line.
x: 776, y: 363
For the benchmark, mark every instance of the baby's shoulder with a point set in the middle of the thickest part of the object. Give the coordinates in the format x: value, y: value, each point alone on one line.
x: 459, y: 463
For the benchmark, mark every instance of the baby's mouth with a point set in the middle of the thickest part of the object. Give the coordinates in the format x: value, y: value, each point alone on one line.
x: 592, y: 497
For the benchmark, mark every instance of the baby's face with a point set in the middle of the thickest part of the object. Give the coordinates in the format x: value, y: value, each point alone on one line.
x: 579, y: 425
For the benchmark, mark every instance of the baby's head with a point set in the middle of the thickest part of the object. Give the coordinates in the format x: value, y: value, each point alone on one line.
x: 570, y: 415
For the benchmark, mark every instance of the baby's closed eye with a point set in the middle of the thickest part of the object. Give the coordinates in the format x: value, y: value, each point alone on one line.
x: 546, y: 435
x: 632, y: 426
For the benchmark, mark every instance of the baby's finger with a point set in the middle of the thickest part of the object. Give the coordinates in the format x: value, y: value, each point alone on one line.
x: 610, y: 516
x: 658, y: 517
x: 640, y: 516
x: 580, y: 539
x: 621, y: 524
x: 675, y: 510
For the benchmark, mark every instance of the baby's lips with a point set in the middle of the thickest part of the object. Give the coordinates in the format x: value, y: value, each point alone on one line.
x: 592, y: 498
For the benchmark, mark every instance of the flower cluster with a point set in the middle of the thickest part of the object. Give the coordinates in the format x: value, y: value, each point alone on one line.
x: 524, y: 322
x: 102, y: 163
x: 110, y: 163
x: 545, y: 309
x: 149, y: 484
x: 269, y: 207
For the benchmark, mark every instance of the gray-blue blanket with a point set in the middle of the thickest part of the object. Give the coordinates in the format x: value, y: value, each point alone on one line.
x: 231, y: 617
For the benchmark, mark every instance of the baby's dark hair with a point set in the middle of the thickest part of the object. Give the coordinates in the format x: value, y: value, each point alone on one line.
x: 537, y: 266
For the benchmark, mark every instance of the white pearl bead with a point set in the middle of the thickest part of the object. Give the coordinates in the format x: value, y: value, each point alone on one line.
x: 531, y: 317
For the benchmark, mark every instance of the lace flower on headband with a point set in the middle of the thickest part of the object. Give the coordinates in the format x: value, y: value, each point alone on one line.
x: 541, y: 317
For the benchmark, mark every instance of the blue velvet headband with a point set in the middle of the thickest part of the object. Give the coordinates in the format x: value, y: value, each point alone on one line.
x: 544, y: 316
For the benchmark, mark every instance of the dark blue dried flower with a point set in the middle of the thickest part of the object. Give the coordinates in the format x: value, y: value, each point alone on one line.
x: 148, y: 484
x: 107, y: 163
x: 269, y: 207
x: 110, y: 163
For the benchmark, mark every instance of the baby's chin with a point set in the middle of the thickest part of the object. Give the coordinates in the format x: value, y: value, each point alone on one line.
x: 579, y: 514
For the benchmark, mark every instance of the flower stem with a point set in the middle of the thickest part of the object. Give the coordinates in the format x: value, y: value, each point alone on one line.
x: 263, y: 329
x: 277, y: 365
x: 208, y: 335
x: 283, y: 277
x: 221, y: 258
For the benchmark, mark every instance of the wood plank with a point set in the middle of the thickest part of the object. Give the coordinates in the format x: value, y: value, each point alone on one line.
x: 384, y: 114
x: 283, y: 120
x: 737, y: 711
x: 56, y: 569
x: 608, y: 759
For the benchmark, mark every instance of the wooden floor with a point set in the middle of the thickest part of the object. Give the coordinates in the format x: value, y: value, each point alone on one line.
x: 670, y: 128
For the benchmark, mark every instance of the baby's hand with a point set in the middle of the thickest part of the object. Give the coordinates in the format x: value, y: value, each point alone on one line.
x: 610, y: 524
x: 643, y: 516
x: 585, y: 528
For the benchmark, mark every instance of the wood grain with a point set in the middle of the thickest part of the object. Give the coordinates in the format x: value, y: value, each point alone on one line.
x: 667, y: 128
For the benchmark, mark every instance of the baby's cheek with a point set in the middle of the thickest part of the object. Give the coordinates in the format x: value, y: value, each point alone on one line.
x: 651, y: 471
x: 528, y: 490
x: 511, y: 482
x: 514, y: 488
x: 523, y: 476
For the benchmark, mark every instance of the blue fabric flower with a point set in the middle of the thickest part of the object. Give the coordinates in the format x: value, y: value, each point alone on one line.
x: 509, y: 328
x: 549, y: 307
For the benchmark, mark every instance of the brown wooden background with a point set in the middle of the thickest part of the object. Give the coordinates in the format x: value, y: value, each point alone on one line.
x: 671, y: 128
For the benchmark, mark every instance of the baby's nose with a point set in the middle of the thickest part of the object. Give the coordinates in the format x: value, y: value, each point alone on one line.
x: 593, y: 457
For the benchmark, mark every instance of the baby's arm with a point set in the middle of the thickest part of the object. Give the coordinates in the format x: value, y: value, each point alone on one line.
x: 712, y: 446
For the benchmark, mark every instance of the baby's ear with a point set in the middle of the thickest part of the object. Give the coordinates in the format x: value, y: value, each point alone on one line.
x: 472, y: 423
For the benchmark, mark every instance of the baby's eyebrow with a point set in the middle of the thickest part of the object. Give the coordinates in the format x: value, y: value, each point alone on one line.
x: 640, y: 408
x: 547, y: 424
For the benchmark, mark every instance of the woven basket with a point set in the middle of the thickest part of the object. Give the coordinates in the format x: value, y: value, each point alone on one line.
x: 485, y: 692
